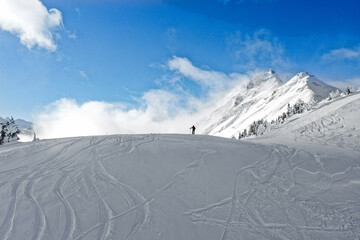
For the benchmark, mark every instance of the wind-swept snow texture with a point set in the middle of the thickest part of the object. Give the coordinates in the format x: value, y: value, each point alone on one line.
x: 189, y: 186
x: 264, y: 97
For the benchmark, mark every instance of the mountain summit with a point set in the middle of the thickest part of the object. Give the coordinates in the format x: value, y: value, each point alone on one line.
x: 311, y: 88
x: 270, y: 77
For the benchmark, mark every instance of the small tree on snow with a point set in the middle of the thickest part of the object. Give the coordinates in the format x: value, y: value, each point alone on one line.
x: 13, y: 130
x: 299, y: 107
x: 334, y: 94
x: 3, y: 133
x: 258, y: 127
x: 349, y: 89
x: 9, y: 131
x: 281, y: 118
x: 243, y: 134
x: 289, y: 110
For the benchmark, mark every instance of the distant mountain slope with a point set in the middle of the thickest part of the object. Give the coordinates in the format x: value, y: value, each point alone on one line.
x: 23, y: 124
x: 265, y: 97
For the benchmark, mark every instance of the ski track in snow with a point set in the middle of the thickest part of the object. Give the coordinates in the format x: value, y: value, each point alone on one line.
x: 268, y: 198
x: 28, y: 175
x: 262, y: 182
x: 183, y: 173
x: 332, y: 124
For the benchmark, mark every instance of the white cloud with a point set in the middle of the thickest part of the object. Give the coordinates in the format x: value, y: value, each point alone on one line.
x: 260, y: 50
x: 72, y: 36
x: 159, y: 111
x: 342, y: 54
x: 66, y: 117
x: 31, y: 21
x: 83, y: 74
x: 213, y: 80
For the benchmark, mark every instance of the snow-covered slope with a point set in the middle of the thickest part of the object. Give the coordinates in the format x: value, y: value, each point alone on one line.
x: 333, y: 123
x: 189, y: 186
x: 265, y: 97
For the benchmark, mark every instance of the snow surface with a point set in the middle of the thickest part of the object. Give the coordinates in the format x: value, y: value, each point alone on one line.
x: 301, y: 181
x: 265, y: 97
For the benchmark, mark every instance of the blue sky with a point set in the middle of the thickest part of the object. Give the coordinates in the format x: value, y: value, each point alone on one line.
x: 117, y: 52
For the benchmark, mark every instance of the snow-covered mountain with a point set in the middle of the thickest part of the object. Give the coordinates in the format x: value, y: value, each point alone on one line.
x: 264, y: 97
x: 300, y: 182
x: 23, y: 124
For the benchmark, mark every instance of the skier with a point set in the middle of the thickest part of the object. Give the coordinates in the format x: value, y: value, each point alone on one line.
x: 193, y: 129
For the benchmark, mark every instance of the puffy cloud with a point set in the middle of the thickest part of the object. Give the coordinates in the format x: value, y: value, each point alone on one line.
x: 66, y: 117
x: 31, y: 21
x: 342, y: 54
x: 212, y: 80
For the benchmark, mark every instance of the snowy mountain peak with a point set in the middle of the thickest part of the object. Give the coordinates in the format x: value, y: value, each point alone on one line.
x: 312, y: 89
x: 269, y: 77
x: 303, y: 75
